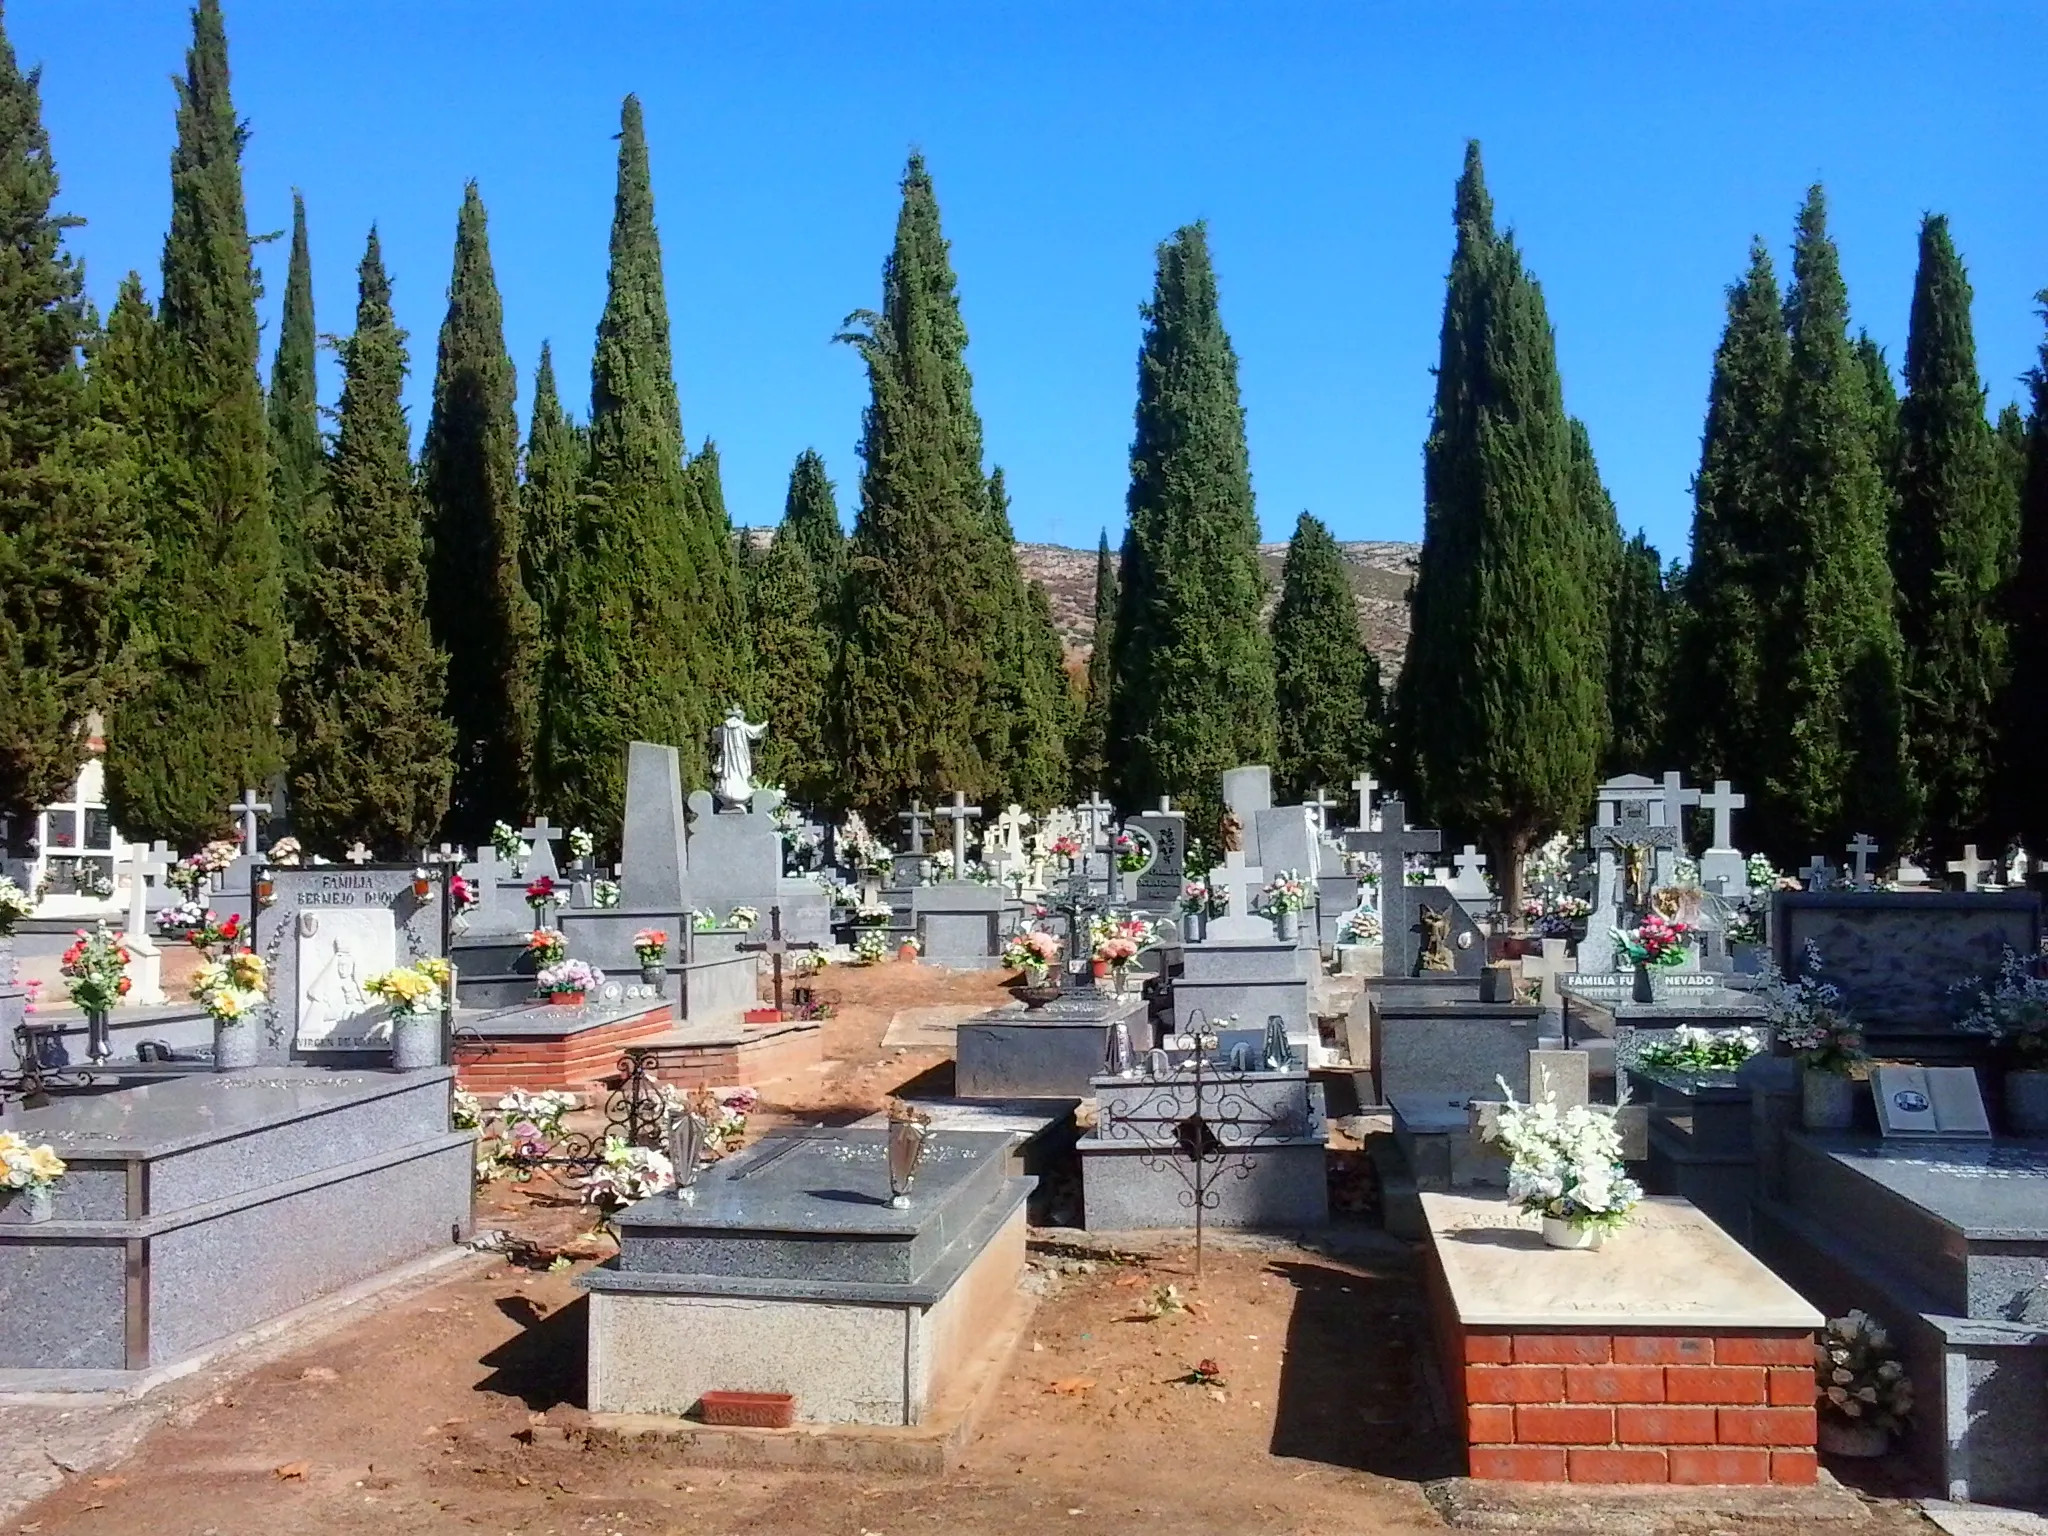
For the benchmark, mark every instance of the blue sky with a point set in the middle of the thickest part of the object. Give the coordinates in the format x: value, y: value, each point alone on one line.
x: 1635, y: 149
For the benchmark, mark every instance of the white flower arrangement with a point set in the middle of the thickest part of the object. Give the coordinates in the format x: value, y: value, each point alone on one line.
x: 15, y: 904
x: 1565, y: 1165
x: 1860, y: 1378
x: 1697, y: 1051
x: 604, y: 893
x: 745, y: 918
x: 569, y: 976
x: 871, y: 946
x: 626, y: 1174
x: 2011, y: 1007
x: 581, y: 844
x: 510, y: 846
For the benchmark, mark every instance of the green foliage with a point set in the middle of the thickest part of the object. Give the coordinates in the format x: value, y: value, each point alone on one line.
x: 68, y: 519
x: 793, y: 664
x: 632, y: 662
x: 1641, y: 623
x: 811, y: 513
x: 364, y: 697
x: 1090, y: 749
x: 1736, y: 586
x: 1027, y: 714
x: 1325, y: 682
x: 1832, y: 706
x: 1041, y: 770
x: 477, y: 605
x: 924, y: 629
x: 1604, y: 556
x: 1193, y: 667
x: 1502, y: 712
x: 551, y: 511
x: 1954, y: 541
x: 2023, y: 722
x: 721, y: 614
x: 203, y: 723
x: 297, y: 460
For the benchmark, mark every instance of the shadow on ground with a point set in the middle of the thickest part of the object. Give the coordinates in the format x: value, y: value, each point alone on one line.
x: 541, y: 1365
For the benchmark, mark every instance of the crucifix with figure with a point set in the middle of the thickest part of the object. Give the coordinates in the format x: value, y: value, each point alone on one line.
x: 1393, y: 840
x: 775, y: 946
x: 1076, y: 903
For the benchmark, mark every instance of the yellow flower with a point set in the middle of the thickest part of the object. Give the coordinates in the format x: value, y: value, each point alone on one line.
x: 248, y: 970
x: 10, y: 1145
x: 436, y: 970
x: 225, y: 1004
x: 45, y: 1164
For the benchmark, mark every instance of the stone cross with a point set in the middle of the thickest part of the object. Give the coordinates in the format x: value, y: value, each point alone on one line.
x: 447, y: 853
x: 541, y: 838
x: 1365, y: 784
x: 1098, y: 811
x: 1723, y: 802
x: 1863, y: 850
x: 359, y: 855
x: 1010, y: 828
x: 1676, y: 798
x: 1239, y: 881
x: 959, y: 813
x: 1471, y: 867
x: 1393, y: 840
x: 1166, y: 806
x: 1319, y: 809
x: 142, y: 865
x: 1546, y: 968
x: 1969, y: 866
x: 1818, y: 874
x: 248, y: 808
x: 775, y: 946
x: 917, y: 821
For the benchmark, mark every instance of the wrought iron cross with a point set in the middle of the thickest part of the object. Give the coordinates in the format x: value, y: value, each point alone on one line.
x: 775, y: 946
x: 1075, y: 903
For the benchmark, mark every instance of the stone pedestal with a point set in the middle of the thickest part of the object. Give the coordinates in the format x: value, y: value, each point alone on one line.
x: 1045, y: 1053
x: 958, y: 924
x: 1249, y: 982
x: 145, y: 970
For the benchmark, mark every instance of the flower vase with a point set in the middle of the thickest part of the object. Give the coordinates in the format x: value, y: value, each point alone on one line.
x: 99, y: 1040
x: 1194, y: 927
x: 1827, y: 1100
x: 565, y: 999
x: 26, y: 1207
x: 686, y: 1141
x: 8, y: 974
x: 416, y: 1040
x: 1287, y: 927
x: 653, y: 975
x: 583, y: 892
x: 2026, y: 1103
x: 1561, y: 1233
x: 1858, y: 1442
x: 906, y: 1151
x: 1644, y: 990
x: 235, y: 1044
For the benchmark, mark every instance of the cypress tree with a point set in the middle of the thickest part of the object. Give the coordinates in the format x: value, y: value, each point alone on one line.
x: 2023, y: 722
x: 1091, y: 736
x: 1735, y: 593
x: 67, y: 507
x: 722, y: 606
x: 1027, y: 716
x: 1043, y: 768
x: 203, y: 724
x: 1954, y: 539
x: 364, y: 701
x: 811, y: 514
x: 2011, y: 434
x: 1193, y: 666
x: 1326, y: 683
x: 1833, y: 708
x: 1605, y: 556
x: 923, y: 628
x: 632, y: 661
x: 793, y: 656
x: 1639, y: 648
x: 296, y: 458
x: 477, y: 604
x: 1882, y: 392
x: 1503, y: 716
x: 551, y: 509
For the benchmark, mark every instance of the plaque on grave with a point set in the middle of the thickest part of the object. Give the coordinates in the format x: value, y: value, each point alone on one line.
x: 324, y: 933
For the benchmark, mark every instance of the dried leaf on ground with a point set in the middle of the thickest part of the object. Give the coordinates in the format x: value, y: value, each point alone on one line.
x: 1071, y: 1386
x: 292, y: 1471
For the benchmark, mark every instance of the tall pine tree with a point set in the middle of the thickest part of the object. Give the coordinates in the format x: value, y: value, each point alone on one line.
x: 68, y: 518
x: 1326, y: 683
x: 1091, y: 737
x: 1832, y: 708
x: 203, y: 724
x: 922, y: 626
x: 1735, y: 585
x: 811, y: 513
x: 297, y: 459
x: 1502, y: 714
x: 551, y: 513
x: 634, y: 661
x: 364, y: 699
x: 1193, y: 665
x: 1639, y: 651
x: 1954, y: 538
x: 477, y: 604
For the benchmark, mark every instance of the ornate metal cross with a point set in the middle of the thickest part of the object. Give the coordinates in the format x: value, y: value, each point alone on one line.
x: 775, y: 946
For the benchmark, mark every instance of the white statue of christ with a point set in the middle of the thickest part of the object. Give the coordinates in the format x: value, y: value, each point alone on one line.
x: 734, y: 782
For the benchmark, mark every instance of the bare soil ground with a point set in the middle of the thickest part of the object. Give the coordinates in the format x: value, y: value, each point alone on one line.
x: 456, y: 1407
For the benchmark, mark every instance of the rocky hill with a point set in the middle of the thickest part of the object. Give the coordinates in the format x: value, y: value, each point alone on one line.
x: 1381, y: 573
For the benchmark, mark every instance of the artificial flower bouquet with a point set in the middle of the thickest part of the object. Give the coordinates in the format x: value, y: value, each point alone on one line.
x: 625, y: 1174
x: 1132, y: 852
x: 412, y: 990
x: 871, y: 946
x: 463, y: 893
x: 604, y: 893
x: 569, y: 978
x: 1034, y: 952
x: 95, y: 969
x: 1660, y: 942
x: 15, y: 904
x: 232, y: 987
x: 507, y: 843
x: 1359, y: 926
x: 1285, y: 892
x: 2012, y: 1008
x: 547, y: 945
x: 543, y: 893
x: 1566, y: 1166
x: 212, y: 932
x: 746, y: 919
x: 581, y: 844
x: 1066, y: 846
x: 1859, y: 1375
x: 1696, y: 1052
x: 1194, y: 896
x: 1807, y: 1017
x: 650, y: 946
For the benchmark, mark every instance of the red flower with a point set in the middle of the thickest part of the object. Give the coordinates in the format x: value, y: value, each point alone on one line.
x: 232, y: 928
x: 123, y: 985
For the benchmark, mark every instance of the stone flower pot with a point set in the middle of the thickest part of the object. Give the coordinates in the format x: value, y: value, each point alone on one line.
x: 235, y: 1044
x: 652, y: 975
x: 1560, y: 1233
x: 26, y: 1207
x: 1194, y: 927
x: 2026, y: 1103
x: 416, y: 1040
x: 1827, y: 1100
x: 1287, y: 927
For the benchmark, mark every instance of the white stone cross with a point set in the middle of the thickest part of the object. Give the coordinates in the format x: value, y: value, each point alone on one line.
x: 959, y: 813
x: 1098, y: 812
x: 1010, y: 828
x: 1166, y: 806
x: 143, y: 863
x: 1235, y: 880
x: 1320, y: 808
x: 247, y: 808
x: 1546, y: 968
x: 1818, y: 875
x: 1676, y: 798
x: 359, y: 855
x: 1723, y: 802
x: 1471, y: 866
x: 447, y: 853
x: 1365, y: 784
x: 1969, y: 866
x: 1863, y: 850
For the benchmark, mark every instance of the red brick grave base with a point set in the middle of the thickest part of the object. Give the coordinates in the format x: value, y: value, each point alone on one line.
x: 1573, y: 1367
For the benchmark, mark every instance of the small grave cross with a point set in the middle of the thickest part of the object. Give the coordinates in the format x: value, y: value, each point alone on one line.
x: 1723, y: 802
x: 541, y: 838
x: 1969, y: 866
x: 917, y: 821
x: 1393, y: 840
x: 1818, y: 874
x: 1010, y: 825
x: 1238, y: 881
x: 1320, y: 808
x: 1166, y: 806
x: 359, y: 855
x: 1471, y: 866
x: 447, y: 853
x: 1676, y: 798
x: 959, y: 813
x: 1365, y: 784
x: 775, y: 946
x: 1098, y: 812
x: 142, y: 864
x: 1863, y: 850
x: 247, y: 808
